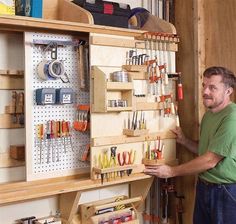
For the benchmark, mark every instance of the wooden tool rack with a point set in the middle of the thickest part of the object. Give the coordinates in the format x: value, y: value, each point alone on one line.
x: 69, y: 189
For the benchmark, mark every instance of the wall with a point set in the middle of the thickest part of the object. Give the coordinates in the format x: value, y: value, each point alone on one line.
x: 207, y: 37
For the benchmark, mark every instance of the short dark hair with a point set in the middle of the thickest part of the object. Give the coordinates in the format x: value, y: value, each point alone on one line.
x: 228, y: 77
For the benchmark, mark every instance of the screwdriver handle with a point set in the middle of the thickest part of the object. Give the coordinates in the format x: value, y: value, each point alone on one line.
x: 180, y: 89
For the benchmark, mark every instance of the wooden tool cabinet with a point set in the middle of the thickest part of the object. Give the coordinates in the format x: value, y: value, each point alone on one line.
x: 70, y: 188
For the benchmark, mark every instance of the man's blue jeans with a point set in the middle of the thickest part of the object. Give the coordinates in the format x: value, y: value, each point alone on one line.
x: 215, y: 204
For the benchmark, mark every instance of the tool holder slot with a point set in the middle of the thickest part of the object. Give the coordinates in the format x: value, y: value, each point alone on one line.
x: 157, y: 162
x: 117, y: 206
x: 136, y: 132
x: 126, y: 169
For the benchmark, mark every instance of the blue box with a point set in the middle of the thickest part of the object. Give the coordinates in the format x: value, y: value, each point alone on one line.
x: 32, y: 8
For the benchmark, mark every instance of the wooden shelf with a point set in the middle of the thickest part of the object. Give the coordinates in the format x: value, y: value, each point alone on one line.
x: 118, y: 109
x: 21, y: 191
x: 119, y: 85
x: 6, y: 122
x: 23, y: 23
x: 104, y: 91
x: 126, y: 43
x: 135, y: 68
x: 11, y: 81
x: 123, y: 139
x: 7, y: 162
x: 12, y: 72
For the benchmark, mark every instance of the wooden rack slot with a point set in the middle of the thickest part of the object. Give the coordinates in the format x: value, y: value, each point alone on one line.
x: 123, y: 139
x: 135, y: 68
x: 115, y: 42
x: 134, y: 168
x: 137, y: 132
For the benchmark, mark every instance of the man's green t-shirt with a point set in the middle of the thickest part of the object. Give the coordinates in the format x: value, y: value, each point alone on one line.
x: 218, y: 135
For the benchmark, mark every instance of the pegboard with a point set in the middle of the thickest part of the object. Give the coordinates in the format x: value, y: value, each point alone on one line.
x: 58, y: 156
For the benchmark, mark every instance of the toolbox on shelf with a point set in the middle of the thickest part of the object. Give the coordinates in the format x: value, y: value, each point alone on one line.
x: 120, y: 208
x: 107, y: 13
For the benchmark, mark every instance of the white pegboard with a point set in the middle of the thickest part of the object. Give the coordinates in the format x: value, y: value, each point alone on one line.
x: 65, y: 158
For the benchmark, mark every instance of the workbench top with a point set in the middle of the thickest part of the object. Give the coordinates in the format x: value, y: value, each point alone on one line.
x: 22, y: 191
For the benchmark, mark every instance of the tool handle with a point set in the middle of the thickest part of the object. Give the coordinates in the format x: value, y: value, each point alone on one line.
x: 180, y: 91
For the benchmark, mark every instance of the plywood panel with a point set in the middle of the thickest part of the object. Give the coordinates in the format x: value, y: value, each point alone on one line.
x: 220, y: 33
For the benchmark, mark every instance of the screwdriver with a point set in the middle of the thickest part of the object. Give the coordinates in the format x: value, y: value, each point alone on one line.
x: 63, y: 135
x: 56, y: 130
x: 48, y: 136
x: 40, y: 128
x: 68, y: 134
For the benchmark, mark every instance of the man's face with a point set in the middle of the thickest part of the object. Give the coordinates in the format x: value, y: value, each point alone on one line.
x: 214, y: 93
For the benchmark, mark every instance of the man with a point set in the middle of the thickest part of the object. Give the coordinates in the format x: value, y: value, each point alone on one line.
x: 215, y: 165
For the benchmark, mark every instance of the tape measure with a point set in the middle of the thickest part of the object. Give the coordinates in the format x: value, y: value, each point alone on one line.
x: 50, y: 69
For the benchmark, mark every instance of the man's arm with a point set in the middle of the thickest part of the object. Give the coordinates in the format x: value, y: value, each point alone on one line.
x: 201, y: 163
x: 189, y: 144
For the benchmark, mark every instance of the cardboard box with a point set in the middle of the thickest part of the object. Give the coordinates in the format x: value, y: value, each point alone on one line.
x: 17, y: 152
x: 7, y: 7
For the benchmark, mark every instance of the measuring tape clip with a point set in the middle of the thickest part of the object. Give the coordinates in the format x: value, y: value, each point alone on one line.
x: 50, y: 69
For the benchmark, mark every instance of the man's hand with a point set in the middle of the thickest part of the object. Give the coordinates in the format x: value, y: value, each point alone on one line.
x: 180, y: 137
x: 189, y: 144
x: 161, y: 171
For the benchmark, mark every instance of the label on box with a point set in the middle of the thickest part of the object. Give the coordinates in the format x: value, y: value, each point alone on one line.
x: 48, y: 98
x: 66, y: 98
